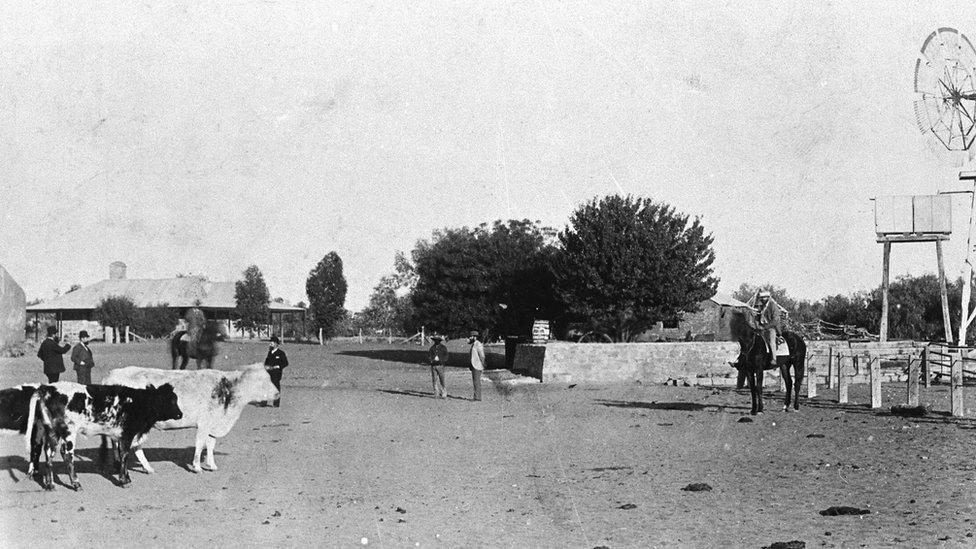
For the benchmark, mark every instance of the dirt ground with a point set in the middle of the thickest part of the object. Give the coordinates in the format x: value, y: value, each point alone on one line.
x: 361, y: 454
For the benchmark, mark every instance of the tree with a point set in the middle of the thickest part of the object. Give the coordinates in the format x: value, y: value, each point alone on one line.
x: 626, y: 263
x: 390, y: 307
x: 326, y: 289
x: 158, y: 320
x: 494, y: 279
x: 252, y: 298
x: 116, y: 311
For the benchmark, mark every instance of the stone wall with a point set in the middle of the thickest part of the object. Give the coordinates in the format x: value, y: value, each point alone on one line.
x: 13, y: 310
x: 695, y: 363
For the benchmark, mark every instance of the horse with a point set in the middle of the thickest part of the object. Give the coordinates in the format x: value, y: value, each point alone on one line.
x: 204, y: 350
x: 754, y: 359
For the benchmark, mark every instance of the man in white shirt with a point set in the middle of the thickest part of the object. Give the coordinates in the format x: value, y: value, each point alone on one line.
x: 477, y: 362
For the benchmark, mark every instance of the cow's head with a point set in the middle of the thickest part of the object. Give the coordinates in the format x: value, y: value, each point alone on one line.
x: 256, y: 384
x: 166, y: 404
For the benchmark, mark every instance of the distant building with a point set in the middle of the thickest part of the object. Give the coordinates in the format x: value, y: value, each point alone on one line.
x: 710, y: 323
x: 74, y: 310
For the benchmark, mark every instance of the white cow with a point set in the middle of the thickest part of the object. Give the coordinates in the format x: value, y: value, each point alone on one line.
x: 211, y: 401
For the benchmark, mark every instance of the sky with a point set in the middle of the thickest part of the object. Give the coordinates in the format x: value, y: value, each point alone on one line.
x: 204, y: 137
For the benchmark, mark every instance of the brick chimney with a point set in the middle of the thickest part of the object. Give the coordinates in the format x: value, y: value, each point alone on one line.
x: 116, y: 270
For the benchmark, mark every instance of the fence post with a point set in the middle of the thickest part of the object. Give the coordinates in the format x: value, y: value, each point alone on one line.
x: 842, y: 380
x: 875, y: 369
x: 955, y: 373
x: 321, y: 341
x: 811, y: 383
x: 913, y: 368
x: 927, y: 368
x: 360, y: 336
x: 830, y: 367
x: 109, y: 334
x: 128, y: 338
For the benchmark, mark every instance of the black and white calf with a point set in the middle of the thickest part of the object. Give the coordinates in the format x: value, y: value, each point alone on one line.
x: 15, y: 405
x: 124, y: 414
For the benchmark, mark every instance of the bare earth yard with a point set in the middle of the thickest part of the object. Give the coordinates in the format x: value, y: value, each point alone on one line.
x: 359, y: 453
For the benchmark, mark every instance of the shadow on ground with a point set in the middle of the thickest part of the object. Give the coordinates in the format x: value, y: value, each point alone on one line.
x: 421, y: 356
x: 674, y: 406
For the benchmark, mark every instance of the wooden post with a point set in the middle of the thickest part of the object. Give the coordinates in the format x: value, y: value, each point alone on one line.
x: 831, y: 367
x: 913, y: 368
x: 956, y: 388
x: 109, y: 334
x: 946, y: 322
x: 811, y: 383
x: 843, y: 381
x: 875, y: 368
x: 128, y: 338
x: 926, y: 367
x: 423, y: 336
x: 360, y: 336
x: 884, y: 292
x: 321, y: 341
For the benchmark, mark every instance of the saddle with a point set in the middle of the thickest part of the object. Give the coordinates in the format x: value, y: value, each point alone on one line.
x: 782, y: 347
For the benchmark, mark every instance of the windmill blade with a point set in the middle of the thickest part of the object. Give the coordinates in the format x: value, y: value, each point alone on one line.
x: 926, y: 77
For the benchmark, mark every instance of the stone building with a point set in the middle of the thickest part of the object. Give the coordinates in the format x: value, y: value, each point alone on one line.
x: 710, y: 323
x: 13, y: 316
x: 74, y: 311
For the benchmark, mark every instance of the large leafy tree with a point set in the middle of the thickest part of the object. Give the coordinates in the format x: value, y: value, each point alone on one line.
x: 252, y: 297
x: 390, y: 306
x: 326, y: 289
x: 116, y: 311
x: 626, y: 263
x: 492, y: 278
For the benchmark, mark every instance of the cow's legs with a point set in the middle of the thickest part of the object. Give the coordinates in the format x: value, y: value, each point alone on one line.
x: 197, y: 450
x: 125, y: 445
x: 137, y: 443
x: 68, y: 453
x: 211, y: 442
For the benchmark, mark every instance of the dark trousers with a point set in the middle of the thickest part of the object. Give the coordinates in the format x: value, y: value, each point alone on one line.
x: 476, y: 379
x: 84, y: 375
x: 52, y: 377
x: 275, y: 374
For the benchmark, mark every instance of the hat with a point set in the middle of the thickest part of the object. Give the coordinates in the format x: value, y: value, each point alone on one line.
x: 473, y: 333
x: 52, y: 330
x: 274, y: 339
x: 436, y: 338
x: 82, y: 334
x: 763, y: 293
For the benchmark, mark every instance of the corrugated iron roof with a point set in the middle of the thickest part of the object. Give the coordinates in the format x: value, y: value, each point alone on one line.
x: 727, y: 301
x: 146, y: 292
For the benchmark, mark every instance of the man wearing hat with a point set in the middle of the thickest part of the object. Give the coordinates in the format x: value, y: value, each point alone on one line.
x: 438, y: 358
x: 768, y: 318
x: 477, y: 362
x: 274, y: 363
x: 50, y: 352
x: 81, y: 356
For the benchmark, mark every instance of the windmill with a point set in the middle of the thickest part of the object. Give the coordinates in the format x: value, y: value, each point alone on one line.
x: 945, y: 83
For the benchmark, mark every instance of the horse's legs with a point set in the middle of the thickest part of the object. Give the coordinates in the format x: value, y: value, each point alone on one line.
x: 799, y: 368
x: 184, y: 360
x: 759, y: 388
x: 751, y: 379
x: 784, y: 370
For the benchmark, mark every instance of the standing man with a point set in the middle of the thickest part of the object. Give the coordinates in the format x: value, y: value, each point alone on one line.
x: 274, y: 363
x: 438, y: 358
x: 81, y: 356
x: 768, y: 319
x: 477, y: 362
x: 50, y: 352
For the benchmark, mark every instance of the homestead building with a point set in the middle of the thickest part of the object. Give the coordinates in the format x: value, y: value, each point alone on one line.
x: 710, y: 323
x: 74, y: 311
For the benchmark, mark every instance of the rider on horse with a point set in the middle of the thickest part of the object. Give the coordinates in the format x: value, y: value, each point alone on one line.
x: 767, y: 315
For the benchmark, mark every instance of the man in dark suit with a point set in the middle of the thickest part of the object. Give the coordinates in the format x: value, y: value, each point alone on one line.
x: 438, y: 359
x: 50, y: 352
x: 274, y: 363
x: 82, y: 358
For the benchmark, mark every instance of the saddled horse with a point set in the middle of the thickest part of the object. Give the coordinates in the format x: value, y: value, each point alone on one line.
x: 204, y: 349
x: 754, y: 360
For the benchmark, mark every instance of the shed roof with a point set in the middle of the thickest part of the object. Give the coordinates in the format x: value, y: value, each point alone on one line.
x: 146, y: 292
x: 726, y: 300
